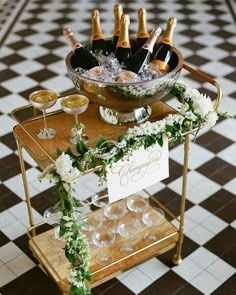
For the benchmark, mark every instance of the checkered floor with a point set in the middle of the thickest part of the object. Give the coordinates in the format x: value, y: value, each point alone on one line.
x: 32, y: 57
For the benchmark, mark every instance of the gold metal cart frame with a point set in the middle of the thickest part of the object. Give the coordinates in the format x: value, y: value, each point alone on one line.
x: 44, y: 153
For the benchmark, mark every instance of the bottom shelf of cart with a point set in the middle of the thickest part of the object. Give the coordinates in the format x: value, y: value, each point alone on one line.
x: 49, y: 252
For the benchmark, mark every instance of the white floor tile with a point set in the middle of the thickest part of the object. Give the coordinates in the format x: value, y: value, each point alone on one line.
x: 136, y: 281
x: 214, y: 224
x: 6, y: 275
x: 14, y: 230
x: 6, y: 218
x: 189, y: 224
x: 58, y: 84
x: 11, y: 102
x: 203, y: 257
x: 212, y: 53
x: 4, y: 150
x: 231, y: 186
x: 200, y: 235
x: 206, y: 283
x: 198, y: 214
x: 26, y: 67
x: 225, y: 128
x: 221, y: 270
x: 19, y: 84
x: 153, y: 268
x: 187, y: 269
x: 33, y: 51
x: 213, y: 67
x: 9, y: 251
x: 7, y: 124
x: 201, y: 155
x: 233, y: 224
x: 20, y: 264
x: 228, y: 154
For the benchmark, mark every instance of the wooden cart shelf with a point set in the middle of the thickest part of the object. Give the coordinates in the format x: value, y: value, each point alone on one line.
x: 48, y: 251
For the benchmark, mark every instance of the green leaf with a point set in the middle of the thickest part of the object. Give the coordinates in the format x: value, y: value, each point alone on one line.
x: 67, y: 204
x: 78, y: 166
x: 101, y: 143
x: 59, y: 152
x: 120, y: 138
x: 81, y: 148
x: 69, y: 152
x: 77, y: 203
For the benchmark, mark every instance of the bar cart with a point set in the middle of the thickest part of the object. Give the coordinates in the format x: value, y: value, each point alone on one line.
x: 44, y: 153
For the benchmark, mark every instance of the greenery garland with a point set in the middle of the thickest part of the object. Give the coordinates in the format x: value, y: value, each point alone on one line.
x: 196, y: 111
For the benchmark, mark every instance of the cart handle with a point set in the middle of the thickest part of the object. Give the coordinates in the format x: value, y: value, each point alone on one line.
x: 209, y: 80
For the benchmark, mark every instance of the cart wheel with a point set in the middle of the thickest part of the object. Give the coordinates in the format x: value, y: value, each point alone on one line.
x: 177, y: 259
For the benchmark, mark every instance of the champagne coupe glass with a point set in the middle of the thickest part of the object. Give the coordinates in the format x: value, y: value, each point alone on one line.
x: 100, y: 199
x: 128, y: 228
x: 42, y: 100
x: 114, y: 212
x: 104, y: 238
x: 92, y: 223
x: 75, y: 104
x: 153, y: 217
x: 137, y: 204
x: 52, y: 216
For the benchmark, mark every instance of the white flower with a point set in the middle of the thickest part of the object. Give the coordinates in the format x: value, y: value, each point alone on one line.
x: 65, y: 169
x: 202, y: 105
x: 184, y: 107
x: 191, y: 116
x: 191, y: 93
x: 63, y: 164
x: 211, y: 119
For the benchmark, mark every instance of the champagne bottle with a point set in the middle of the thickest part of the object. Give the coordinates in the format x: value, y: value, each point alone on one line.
x: 118, y: 11
x: 141, y: 58
x: 123, y: 47
x: 84, y: 58
x: 165, y: 48
x: 98, y: 42
x: 142, y: 34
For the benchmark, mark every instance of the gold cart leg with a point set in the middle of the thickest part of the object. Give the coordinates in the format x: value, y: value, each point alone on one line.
x: 177, y: 259
x: 25, y: 183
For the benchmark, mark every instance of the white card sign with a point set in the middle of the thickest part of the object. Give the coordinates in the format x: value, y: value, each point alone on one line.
x: 144, y: 168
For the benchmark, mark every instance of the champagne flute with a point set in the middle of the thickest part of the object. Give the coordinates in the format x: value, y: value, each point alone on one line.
x: 42, y: 100
x: 76, y: 104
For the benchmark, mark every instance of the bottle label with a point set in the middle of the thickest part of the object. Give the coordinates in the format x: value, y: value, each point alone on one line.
x: 162, y: 66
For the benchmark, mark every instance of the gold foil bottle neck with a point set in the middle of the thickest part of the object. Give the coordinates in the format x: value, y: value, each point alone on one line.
x: 96, y: 26
x: 118, y: 11
x: 142, y: 25
x: 124, y: 32
x: 168, y: 35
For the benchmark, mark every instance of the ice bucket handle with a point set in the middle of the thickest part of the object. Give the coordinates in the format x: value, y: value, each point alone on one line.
x: 209, y: 80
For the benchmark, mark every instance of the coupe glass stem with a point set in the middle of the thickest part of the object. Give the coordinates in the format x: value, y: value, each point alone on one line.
x: 76, y: 120
x: 44, y: 119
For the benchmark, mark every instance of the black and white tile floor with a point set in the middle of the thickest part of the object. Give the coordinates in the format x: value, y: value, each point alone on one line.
x: 32, y: 57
